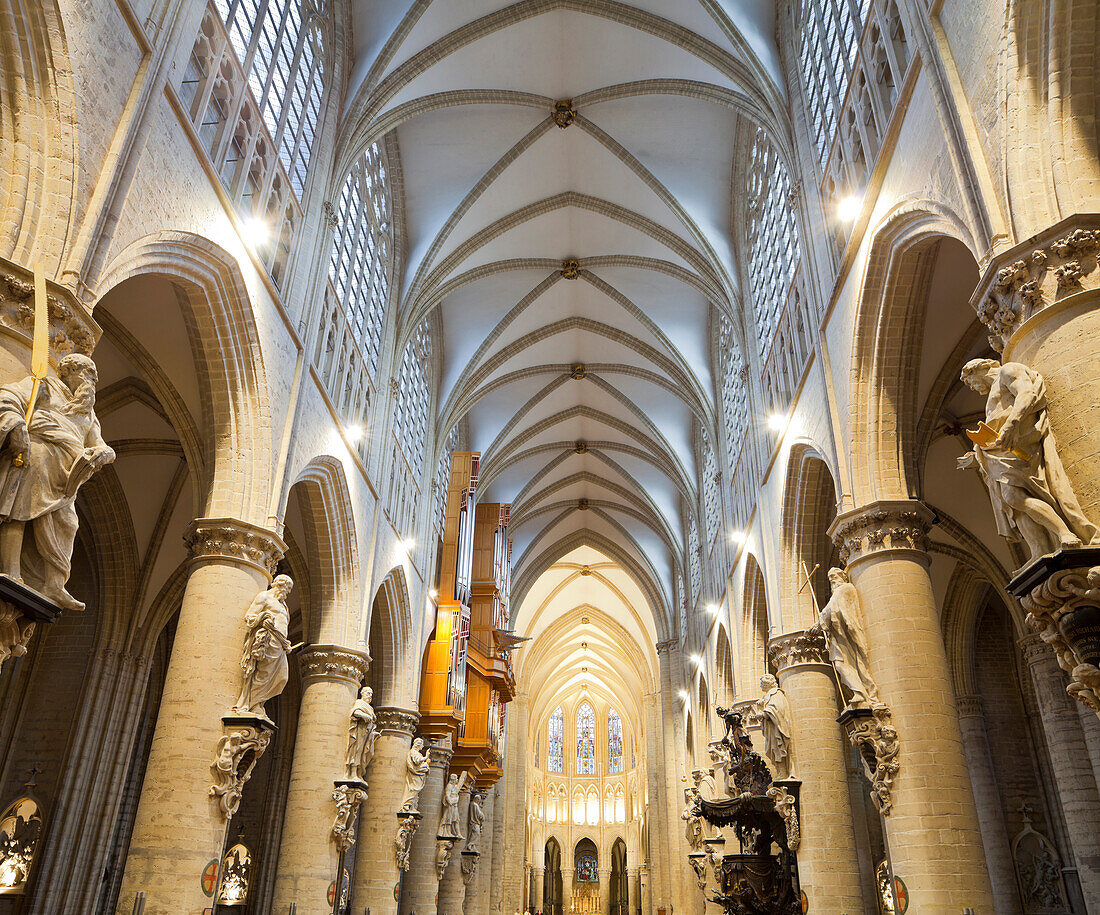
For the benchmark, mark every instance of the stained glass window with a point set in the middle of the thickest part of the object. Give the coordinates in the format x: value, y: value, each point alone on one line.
x: 555, y: 731
x: 587, y: 872
x: 614, y: 742
x: 586, y: 740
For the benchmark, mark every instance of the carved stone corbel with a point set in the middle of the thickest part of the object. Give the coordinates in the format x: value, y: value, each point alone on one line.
x: 469, y: 865
x: 349, y: 797
x: 1062, y: 596
x: 443, y: 846
x: 241, y: 745
x: 408, y: 822
x: 785, y: 803
x: 698, y: 862
x: 872, y: 733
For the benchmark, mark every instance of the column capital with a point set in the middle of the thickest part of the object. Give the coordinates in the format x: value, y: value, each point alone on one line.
x: 882, y: 526
x: 229, y: 540
x: 1036, y: 652
x: 970, y: 706
x: 440, y: 757
x: 802, y: 647
x: 400, y: 722
x: 1037, y: 274
x: 668, y: 646
x: 331, y: 662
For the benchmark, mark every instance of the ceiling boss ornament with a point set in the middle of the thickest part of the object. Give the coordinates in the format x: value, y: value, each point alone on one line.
x: 564, y: 113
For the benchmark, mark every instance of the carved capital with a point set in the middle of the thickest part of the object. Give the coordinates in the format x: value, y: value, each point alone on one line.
x: 228, y: 540
x: 793, y: 648
x: 398, y: 722
x: 71, y: 330
x: 872, y: 733
x: 328, y: 211
x: 240, y: 746
x: 1035, y: 651
x: 440, y: 756
x: 349, y: 798
x: 881, y: 527
x: 1032, y: 276
x: 668, y: 646
x: 970, y: 706
x: 331, y: 662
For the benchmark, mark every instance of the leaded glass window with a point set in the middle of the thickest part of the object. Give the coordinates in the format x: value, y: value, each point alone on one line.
x: 695, y: 568
x: 587, y: 871
x: 735, y: 405
x: 414, y: 398
x: 773, y: 246
x: 712, y: 509
x: 555, y: 733
x: 614, y: 742
x: 586, y: 740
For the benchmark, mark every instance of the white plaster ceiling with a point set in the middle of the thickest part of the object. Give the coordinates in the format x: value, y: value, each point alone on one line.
x: 495, y: 196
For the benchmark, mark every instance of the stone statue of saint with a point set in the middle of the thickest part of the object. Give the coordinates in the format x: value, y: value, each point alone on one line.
x: 416, y: 770
x: 41, y: 469
x: 448, y: 823
x: 841, y: 622
x: 693, y: 824
x: 362, y: 733
x: 476, y: 821
x: 775, y: 718
x: 1017, y: 456
x: 266, y: 646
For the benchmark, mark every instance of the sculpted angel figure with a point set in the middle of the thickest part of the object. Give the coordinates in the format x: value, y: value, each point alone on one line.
x: 775, y: 717
x: 841, y: 621
x: 448, y: 823
x: 41, y: 468
x: 1017, y: 456
x: 362, y: 734
x: 266, y: 646
x: 416, y: 770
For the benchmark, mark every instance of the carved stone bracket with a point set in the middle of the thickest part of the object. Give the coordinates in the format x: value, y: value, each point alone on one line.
x: 408, y: 821
x: 443, y: 847
x: 349, y: 797
x: 234, y: 541
x: 872, y: 733
x: 469, y: 865
x: 72, y: 329
x: 243, y: 742
x: 397, y: 721
x: 787, y: 805
x: 698, y: 862
x: 797, y: 648
x: 1030, y: 277
x: 882, y: 526
x: 331, y: 662
x: 20, y: 610
x: 1061, y: 593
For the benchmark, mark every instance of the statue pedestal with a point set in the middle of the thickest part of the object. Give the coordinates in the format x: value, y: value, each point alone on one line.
x: 21, y: 609
x: 1061, y: 592
x: 408, y: 822
x: 871, y: 732
x: 469, y: 865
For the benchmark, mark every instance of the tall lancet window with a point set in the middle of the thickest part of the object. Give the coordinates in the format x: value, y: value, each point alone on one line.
x: 735, y: 407
x: 555, y: 744
x: 614, y: 742
x: 586, y: 740
x: 414, y: 397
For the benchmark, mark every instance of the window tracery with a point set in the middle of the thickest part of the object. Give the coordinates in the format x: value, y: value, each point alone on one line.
x: 592, y: 807
x: 586, y: 741
x: 555, y: 731
x: 414, y: 398
x: 712, y: 507
x: 734, y: 395
x: 695, y: 570
x: 614, y: 742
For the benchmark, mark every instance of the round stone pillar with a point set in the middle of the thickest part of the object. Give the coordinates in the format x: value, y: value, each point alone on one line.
x: 179, y: 828
x: 452, y: 887
x: 643, y: 892
x: 308, y: 855
x: 828, y: 864
x: 605, y: 891
x: 376, y: 872
x: 538, y: 875
x: 932, y: 828
x: 1041, y: 300
x: 477, y: 891
x: 420, y: 885
x: 632, y: 891
x: 1070, y: 763
x: 995, y: 838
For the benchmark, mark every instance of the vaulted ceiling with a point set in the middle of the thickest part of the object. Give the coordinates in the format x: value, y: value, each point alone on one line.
x: 581, y: 392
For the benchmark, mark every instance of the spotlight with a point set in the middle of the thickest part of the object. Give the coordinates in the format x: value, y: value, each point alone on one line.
x: 777, y: 422
x: 433, y: 594
x: 712, y: 609
x: 683, y: 695
x: 408, y: 544
x: 355, y: 434
x: 737, y: 536
x: 256, y: 231
x: 848, y: 208
x: 697, y: 659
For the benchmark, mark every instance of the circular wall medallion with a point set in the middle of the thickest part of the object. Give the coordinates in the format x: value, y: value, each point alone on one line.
x: 805, y: 903
x: 209, y: 878
x: 901, y: 894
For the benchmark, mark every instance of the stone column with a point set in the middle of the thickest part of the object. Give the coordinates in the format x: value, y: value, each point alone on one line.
x: 420, y: 885
x: 659, y: 839
x: 632, y: 891
x: 376, y: 873
x: 828, y: 863
x: 477, y: 891
x: 995, y: 838
x: 515, y: 822
x: 605, y: 891
x: 179, y: 827
x: 496, y: 884
x: 308, y: 856
x: 538, y: 875
x: 643, y: 891
x: 1070, y: 764
x: 673, y: 767
x: 1039, y: 301
x: 452, y: 889
x: 933, y: 834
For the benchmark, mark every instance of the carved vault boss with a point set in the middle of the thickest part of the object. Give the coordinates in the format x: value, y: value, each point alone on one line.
x: 42, y: 468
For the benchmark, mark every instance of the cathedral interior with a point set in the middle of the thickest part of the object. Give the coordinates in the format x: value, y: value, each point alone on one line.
x: 472, y: 457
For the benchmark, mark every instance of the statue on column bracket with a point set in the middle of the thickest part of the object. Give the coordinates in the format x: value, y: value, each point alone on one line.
x: 693, y: 822
x: 448, y: 823
x: 348, y: 800
x: 362, y: 734
x: 841, y: 622
x: 417, y: 764
x: 266, y: 646
x: 41, y: 469
x: 774, y: 710
x: 1017, y: 456
x: 476, y: 822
